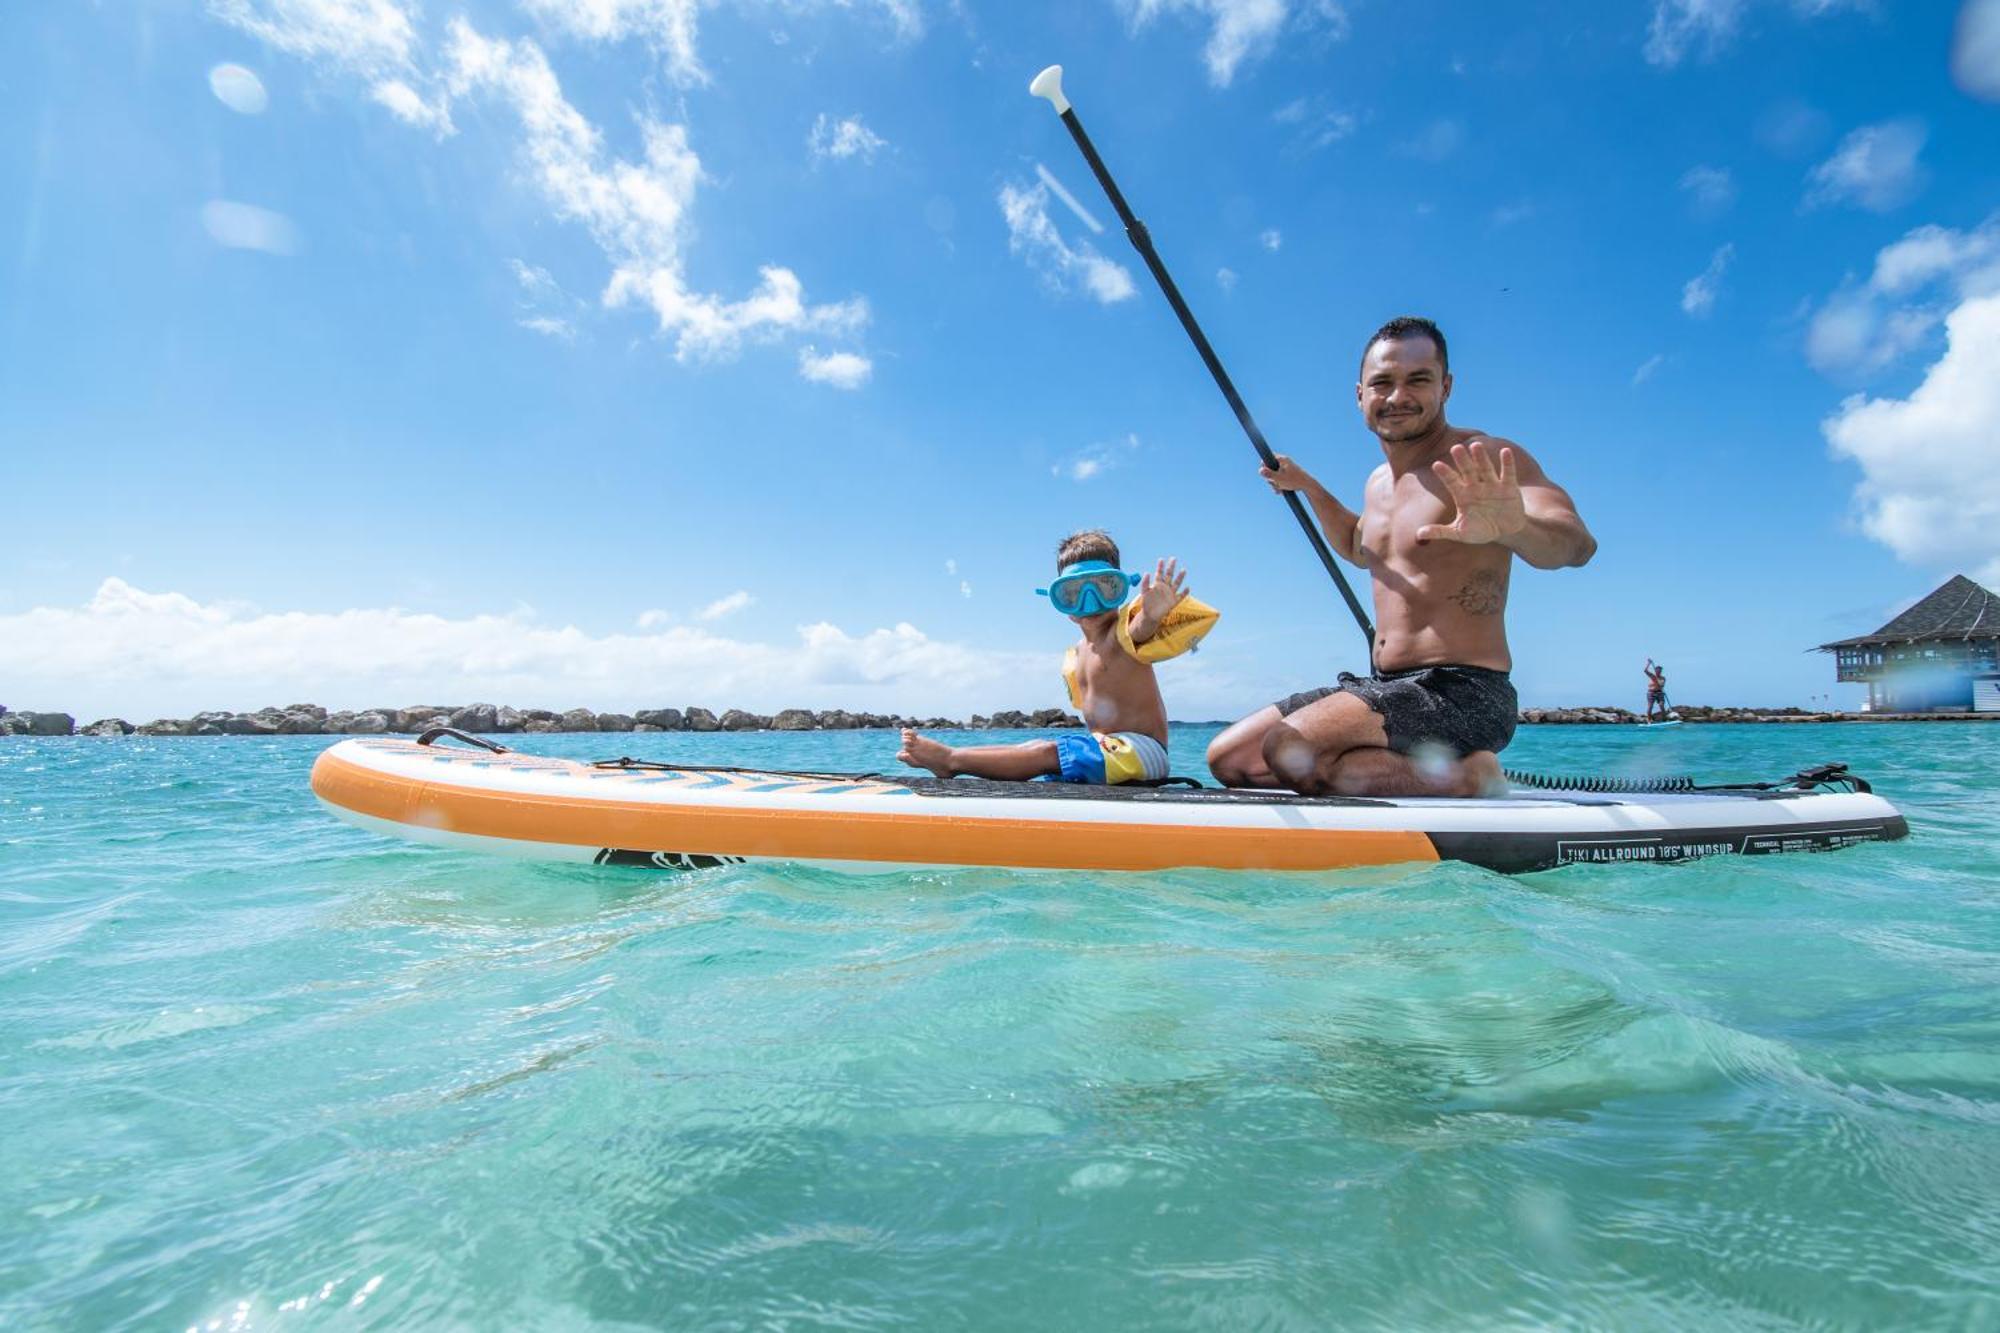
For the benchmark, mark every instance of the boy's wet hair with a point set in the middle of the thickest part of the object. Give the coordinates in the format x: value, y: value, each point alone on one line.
x: 1089, y: 544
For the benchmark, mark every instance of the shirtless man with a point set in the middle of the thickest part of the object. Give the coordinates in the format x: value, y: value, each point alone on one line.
x: 1440, y: 524
x: 1656, y: 691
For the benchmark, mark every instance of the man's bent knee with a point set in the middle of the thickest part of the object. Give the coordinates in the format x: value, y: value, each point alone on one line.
x: 1235, y: 755
x: 1225, y: 760
x: 1294, y: 762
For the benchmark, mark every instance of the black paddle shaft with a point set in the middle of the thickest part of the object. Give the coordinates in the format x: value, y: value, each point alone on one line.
x: 1142, y: 241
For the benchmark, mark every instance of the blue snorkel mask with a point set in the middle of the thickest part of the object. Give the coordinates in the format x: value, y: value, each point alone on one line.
x: 1089, y: 588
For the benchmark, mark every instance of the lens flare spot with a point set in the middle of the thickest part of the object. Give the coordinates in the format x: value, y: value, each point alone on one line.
x: 1975, y: 50
x: 1292, y: 760
x: 239, y: 89
x: 1435, y: 763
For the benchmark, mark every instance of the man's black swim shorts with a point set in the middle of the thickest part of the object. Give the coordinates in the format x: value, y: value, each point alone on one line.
x: 1464, y: 708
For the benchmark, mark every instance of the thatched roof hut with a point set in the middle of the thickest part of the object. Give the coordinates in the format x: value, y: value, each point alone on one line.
x: 1941, y: 655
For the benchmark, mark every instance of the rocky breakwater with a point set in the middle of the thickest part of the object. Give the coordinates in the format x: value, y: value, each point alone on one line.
x: 1683, y: 713
x: 40, y: 724
x: 1577, y: 716
x: 500, y: 719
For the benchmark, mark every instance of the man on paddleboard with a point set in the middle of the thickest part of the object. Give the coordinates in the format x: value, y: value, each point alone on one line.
x: 1656, y: 691
x: 1440, y: 525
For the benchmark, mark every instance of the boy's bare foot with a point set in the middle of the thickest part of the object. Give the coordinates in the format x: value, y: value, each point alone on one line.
x: 923, y: 752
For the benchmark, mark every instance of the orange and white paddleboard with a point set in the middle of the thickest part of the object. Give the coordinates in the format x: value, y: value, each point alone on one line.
x: 686, y: 817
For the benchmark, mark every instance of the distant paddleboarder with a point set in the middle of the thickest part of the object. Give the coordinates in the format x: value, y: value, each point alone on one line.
x: 1656, y: 692
x: 1438, y: 530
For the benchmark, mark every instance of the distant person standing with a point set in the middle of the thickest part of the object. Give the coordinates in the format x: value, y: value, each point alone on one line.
x: 1656, y: 692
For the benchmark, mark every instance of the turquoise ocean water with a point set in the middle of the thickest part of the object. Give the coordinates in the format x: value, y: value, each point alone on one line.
x: 265, y: 1071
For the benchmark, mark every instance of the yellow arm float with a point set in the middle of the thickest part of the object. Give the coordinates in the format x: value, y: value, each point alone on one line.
x: 1183, y: 628
x: 1070, y: 680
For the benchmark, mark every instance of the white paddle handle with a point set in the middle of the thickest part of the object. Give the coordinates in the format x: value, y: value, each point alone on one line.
x: 1049, y: 84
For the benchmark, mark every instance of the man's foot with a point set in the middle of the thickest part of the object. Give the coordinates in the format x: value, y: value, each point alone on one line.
x: 923, y: 752
x: 1376, y: 771
x: 1482, y: 775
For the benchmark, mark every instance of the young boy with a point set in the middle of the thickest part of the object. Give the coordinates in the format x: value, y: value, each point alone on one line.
x: 1109, y: 674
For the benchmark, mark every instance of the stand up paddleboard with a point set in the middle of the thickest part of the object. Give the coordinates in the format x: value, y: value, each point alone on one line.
x: 630, y: 812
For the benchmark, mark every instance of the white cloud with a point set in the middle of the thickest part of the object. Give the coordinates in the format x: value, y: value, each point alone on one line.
x: 1648, y: 368
x: 1436, y: 141
x: 964, y: 588
x: 1698, y: 296
x: 1241, y: 30
x: 368, y: 36
x: 1679, y: 26
x: 1033, y: 236
x: 1706, y: 27
x: 725, y: 606
x: 654, y: 619
x: 672, y: 27
x: 409, y: 106
x: 1865, y: 326
x: 549, y: 326
x: 1792, y: 128
x: 1225, y: 278
x: 1853, y: 333
x: 1975, y: 50
x: 1096, y: 459
x: 842, y: 370
x: 238, y: 89
x: 1710, y: 190
x: 536, y: 282
x: 636, y: 211
x: 1317, y: 125
x: 1083, y: 215
x: 951, y: 568
x: 1506, y: 215
x: 373, y: 40
x: 547, y: 306
x: 1271, y: 239
x: 1874, y: 168
x: 1930, y: 463
x: 1930, y: 253
x: 248, y: 227
x: 843, y: 138
x: 140, y: 654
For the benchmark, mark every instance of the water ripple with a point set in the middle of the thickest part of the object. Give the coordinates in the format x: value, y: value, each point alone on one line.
x: 270, y: 1072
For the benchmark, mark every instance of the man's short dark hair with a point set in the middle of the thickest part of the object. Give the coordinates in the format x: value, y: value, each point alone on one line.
x: 1410, y: 326
x: 1089, y: 544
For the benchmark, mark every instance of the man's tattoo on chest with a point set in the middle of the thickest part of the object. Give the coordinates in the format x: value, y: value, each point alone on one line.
x: 1483, y: 594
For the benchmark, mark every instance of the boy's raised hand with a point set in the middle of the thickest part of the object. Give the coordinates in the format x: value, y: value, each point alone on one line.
x: 1159, y: 592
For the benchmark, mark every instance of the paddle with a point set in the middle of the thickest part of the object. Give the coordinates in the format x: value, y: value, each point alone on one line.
x: 1048, y: 84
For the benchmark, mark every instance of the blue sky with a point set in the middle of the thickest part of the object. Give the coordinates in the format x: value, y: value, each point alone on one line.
x: 746, y: 352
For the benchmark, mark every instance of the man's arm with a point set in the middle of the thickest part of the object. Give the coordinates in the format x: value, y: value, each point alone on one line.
x: 1341, y: 524
x: 1554, y: 536
x: 1502, y: 496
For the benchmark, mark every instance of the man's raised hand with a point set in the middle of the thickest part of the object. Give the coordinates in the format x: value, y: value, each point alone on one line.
x: 1487, y: 493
